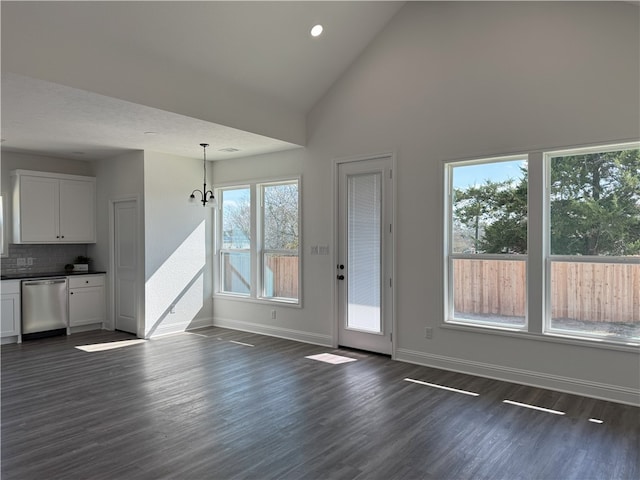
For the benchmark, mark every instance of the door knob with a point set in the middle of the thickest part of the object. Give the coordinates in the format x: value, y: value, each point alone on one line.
x: 340, y: 277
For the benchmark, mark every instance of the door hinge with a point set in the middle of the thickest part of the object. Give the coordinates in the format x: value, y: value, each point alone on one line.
x: 390, y: 283
x: 390, y: 173
x: 390, y: 231
x: 391, y: 337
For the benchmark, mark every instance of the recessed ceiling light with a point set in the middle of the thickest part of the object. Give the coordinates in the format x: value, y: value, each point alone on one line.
x: 149, y: 133
x: 316, y: 31
x: 229, y: 150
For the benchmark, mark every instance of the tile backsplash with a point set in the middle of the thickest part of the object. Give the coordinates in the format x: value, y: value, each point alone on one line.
x: 45, y: 258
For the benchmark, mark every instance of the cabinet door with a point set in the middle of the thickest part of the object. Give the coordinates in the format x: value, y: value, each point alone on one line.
x: 86, y: 306
x: 39, y: 218
x: 10, y: 320
x: 77, y: 211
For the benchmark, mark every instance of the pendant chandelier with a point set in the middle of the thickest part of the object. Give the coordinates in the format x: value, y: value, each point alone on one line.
x: 207, y: 198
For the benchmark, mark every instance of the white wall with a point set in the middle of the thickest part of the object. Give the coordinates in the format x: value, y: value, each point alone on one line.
x: 116, y: 178
x: 177, y: 246
x: 446, y: 81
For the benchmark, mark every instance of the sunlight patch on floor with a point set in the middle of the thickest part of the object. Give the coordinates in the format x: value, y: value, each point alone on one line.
x: 331, y: 358
x: 101, y: 347
x: 241, y: 343
x: 442, y: 387
x: 196, y: 334
x: 533, y: 407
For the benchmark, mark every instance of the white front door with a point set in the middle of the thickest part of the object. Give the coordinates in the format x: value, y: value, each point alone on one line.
x: 125, y: 222
x: 365, y: 254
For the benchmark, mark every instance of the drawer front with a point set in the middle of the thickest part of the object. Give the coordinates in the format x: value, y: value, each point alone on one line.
x: 86, y: 281
x: 10, y: 286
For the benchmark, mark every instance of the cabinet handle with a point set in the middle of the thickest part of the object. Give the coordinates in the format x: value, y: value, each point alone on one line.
x: 70, y: 293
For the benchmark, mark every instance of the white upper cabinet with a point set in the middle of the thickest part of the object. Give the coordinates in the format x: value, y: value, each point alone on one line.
x: 53, y: 208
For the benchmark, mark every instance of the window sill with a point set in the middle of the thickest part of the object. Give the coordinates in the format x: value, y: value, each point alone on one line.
x: 259, y: 301
x: 550, y: 338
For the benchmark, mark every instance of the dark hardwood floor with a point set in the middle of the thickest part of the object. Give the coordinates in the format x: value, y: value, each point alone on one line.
x: 199, y: 406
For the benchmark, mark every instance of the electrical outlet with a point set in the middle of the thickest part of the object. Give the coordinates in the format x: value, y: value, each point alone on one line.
x: 22, y: 262
x: 314, y: 249
x: 172, y: 309
x: 428, y: 333
x: 323, y: 249
x: 273, y: 314
x: 29, y: 261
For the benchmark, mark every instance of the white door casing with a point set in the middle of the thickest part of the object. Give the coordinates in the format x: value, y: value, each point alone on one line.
x: 364, y: 257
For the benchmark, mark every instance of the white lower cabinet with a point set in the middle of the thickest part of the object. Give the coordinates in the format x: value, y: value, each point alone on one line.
x: 87, y: 304
x: 11, y: 310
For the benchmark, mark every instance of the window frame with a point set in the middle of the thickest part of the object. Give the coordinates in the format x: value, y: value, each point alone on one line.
x: 549, y: 258
x: 222, y: 251
x: 538, y: 278
x: 451, y: 256
x: 263, y: 251
x: 256, y: 250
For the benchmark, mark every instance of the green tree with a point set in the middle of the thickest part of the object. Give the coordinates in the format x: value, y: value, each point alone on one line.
x: 508, y: 232
x: 594, y: 200
x: 494, y: 214
x: 595, y: 204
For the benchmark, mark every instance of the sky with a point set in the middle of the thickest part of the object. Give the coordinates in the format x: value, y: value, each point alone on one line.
x: 467, y: 175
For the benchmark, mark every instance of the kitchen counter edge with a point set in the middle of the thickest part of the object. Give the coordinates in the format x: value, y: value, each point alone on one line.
x: 30, y: 276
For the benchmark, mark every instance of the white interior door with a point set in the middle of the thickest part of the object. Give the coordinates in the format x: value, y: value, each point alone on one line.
x: 125, y: 221
x: 365, y: 254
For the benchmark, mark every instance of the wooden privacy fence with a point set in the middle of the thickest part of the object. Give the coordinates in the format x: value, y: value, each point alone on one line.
x: 595, y: 292
x: 280, y: 276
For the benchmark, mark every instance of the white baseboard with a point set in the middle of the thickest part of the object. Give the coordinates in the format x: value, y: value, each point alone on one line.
x: 585, y: 388
x: 289, y: 334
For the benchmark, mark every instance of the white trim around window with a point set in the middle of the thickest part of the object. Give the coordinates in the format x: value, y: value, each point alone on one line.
x: 268, y: 260
x: 540, y: 263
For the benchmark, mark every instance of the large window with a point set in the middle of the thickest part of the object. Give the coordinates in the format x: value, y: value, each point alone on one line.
x: 593, y: 265
x: 487, y: 242
x: 259, y: 241
x: 583, y: 239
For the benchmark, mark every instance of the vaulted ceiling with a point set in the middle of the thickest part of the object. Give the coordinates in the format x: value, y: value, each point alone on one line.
x: 106, y: 77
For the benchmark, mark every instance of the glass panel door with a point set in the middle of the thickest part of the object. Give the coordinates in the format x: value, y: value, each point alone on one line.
x: 365, y: 254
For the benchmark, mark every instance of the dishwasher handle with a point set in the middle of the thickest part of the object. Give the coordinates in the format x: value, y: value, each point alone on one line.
x: 44, y: 282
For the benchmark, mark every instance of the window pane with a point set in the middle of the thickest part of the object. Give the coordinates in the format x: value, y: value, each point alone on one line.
x: 601, y: 299
x: 490, y: 291
x: 280, y: 279
x: 236, y: 218
x: 280, y: 232
x: 595, y: 203
x: 236, y: 272
x: 489, y: 208
x: 281, y: 217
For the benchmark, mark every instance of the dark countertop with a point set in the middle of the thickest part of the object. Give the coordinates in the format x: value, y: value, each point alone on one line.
x: 30, y: 275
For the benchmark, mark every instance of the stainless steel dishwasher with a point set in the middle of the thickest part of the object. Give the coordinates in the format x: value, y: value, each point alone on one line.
x: 44, y: 305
